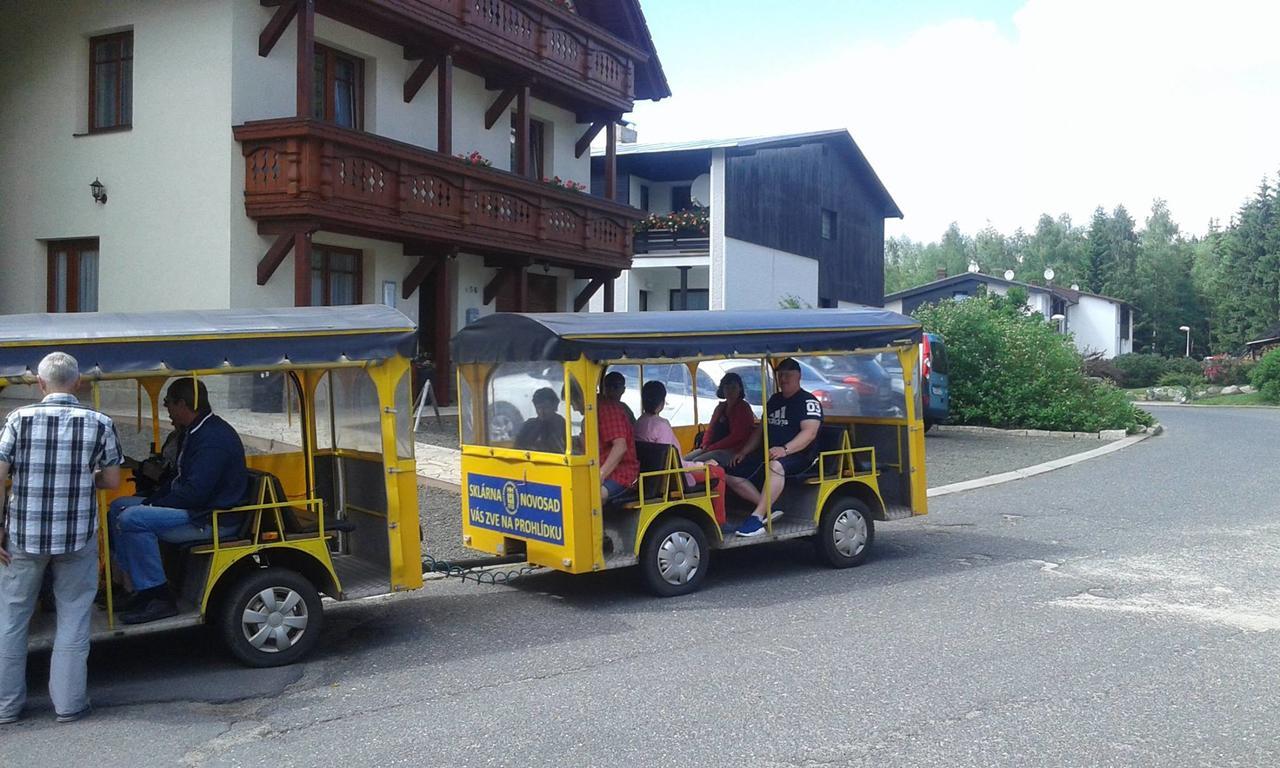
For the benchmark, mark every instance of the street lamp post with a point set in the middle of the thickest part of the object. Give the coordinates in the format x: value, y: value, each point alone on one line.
x: 1187, y: 330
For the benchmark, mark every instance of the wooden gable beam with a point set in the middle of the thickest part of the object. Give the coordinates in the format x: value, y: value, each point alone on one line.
x: 584, y: 143
x: 589, y: 290
x: 498, y: 282
x: 499, y: 107
x: 275, y: 257
x: 275, y: 28
x: 425, y: 267
x: 419, y: 77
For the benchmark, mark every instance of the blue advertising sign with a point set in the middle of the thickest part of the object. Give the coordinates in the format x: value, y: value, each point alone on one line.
x: 516, y: 507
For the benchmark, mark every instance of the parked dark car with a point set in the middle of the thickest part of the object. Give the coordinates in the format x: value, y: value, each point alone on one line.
x: 936, y: 380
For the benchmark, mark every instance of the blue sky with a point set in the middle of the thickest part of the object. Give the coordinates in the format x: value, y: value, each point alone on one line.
x: 993, y: 111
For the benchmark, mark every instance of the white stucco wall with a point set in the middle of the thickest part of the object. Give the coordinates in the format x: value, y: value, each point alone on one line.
x: 175, y: 181
x: 1096, y: 325
x: 760, y: 278
x: 162, y: 233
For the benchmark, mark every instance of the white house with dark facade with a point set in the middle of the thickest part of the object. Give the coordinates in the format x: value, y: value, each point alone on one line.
x: 1098, y: 323
x: 752, y: 223
x: 257, y: 153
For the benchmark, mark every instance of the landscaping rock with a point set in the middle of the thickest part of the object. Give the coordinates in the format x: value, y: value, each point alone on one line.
x: 1113, y: 434
x: 1248, y: 389
x: 1232, y: 390
x: 1167, y: 394
x: 1214, y: 390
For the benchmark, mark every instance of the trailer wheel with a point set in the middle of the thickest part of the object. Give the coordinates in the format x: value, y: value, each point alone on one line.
x: 271, y: 617
x: 845, y: 533
x: 674, y: 557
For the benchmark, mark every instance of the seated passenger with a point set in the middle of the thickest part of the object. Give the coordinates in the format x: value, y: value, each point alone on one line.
x: 612, y: 388
x: 730, y: 426
x: 211, y: 475
x: 544, y: 432
x: 652, y: 428
x: 619, y: 467
x: 794, y: 416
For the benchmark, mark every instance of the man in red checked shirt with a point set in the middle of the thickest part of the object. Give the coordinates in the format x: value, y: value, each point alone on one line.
x: 619, y: 466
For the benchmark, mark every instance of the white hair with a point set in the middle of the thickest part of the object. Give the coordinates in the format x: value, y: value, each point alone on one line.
x: 59, y: 370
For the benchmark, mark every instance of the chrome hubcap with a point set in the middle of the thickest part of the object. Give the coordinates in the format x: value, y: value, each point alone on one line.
x: 274, y: 619
x: 679, y: 558
x: 850, y: 533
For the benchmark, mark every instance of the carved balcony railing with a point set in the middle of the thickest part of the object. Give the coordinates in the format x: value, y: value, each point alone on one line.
x: 533, y: 34
x: 307, y: 174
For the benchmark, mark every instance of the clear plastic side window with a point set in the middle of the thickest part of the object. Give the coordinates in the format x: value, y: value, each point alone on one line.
x: 466, y: 409
x: 712, y: 372
x: 404, y: 417
x: 577, y: 418
x: 263, y: 408
x: 524, y: 407
x: 856, y: 384
x: 675, y: 379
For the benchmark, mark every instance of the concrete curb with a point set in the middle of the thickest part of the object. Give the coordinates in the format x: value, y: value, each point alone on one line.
x: 1166, y: 404
x: 1040, y: 469
x: 1106, y: 434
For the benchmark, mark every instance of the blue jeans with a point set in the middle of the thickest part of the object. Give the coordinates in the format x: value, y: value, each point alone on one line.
x: 136, y: 531
x: 75, y: 579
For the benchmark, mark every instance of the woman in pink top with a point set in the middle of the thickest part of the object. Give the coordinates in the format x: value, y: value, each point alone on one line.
x: 652, y: 428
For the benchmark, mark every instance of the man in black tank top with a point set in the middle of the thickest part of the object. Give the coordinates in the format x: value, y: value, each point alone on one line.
x: 794, y: 416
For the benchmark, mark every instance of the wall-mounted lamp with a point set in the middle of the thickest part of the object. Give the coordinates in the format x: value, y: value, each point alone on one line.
x: 99, y: 191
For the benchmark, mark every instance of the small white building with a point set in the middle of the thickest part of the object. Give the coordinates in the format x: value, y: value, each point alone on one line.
x: 1097, y: 323
x: 752, y: 223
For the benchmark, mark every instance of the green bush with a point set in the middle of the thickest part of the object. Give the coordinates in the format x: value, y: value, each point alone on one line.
x: 1012, y: 370
x: 1139, y: 370
x: 1185, y: 366
x: 1265, y: 376
x: 1099, y: 368
x: 1188, y: 380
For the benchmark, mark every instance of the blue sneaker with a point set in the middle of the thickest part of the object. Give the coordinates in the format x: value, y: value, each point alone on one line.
x: 752, y: 526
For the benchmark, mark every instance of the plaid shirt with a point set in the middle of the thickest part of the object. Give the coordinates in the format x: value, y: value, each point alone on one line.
x: 52, y: 448
x: 615, y: 423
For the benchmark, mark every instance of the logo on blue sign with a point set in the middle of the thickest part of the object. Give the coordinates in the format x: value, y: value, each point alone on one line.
x: 517, y: 508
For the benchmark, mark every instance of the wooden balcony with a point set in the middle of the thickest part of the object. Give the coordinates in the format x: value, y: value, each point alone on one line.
x: 305, y: 175
x: 571, y: 60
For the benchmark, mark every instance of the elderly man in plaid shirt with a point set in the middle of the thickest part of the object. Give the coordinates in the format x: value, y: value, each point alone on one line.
x: 58, y: 452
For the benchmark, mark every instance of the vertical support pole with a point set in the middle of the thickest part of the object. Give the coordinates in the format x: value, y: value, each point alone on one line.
x: 684, y: 287
x: 306, y: 57
x: 444, y: 105
x: 302, y: 269
x: 611, y: 161
x: 523, y: 166
x: 443, y: 313
x: 608, y: 293
x: 522, y: 289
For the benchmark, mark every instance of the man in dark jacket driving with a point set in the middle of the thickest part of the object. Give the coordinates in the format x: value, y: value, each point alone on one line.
x: 211, y: 475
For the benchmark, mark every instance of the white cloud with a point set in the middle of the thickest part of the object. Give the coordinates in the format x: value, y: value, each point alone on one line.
x: 1084, y: 102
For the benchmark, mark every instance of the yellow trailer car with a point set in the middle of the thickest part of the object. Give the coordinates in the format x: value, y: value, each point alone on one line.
x: 544, y: 500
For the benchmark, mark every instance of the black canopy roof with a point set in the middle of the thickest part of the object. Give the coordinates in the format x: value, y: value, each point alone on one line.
x: 504, y: 337
x: 106, y: 343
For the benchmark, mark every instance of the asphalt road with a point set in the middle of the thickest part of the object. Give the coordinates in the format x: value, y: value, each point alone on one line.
x: 1124, y: 611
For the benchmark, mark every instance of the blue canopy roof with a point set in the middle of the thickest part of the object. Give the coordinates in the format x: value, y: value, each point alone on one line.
x: 118, y: 343
x: 607, y: 336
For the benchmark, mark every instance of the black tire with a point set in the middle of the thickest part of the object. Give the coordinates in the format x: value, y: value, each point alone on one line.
x: 504, y: 422
x: 845, y: 533
x: 674, y: 557
x: 928, y: 424
x: 278, y: 627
